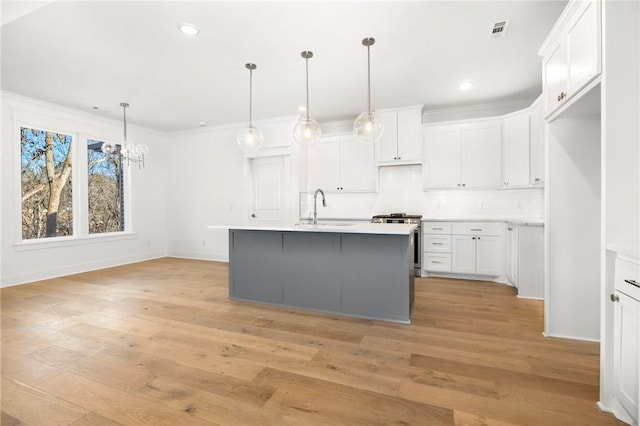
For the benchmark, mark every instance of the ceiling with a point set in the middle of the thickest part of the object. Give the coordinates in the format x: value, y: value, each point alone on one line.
x: 97, y: 54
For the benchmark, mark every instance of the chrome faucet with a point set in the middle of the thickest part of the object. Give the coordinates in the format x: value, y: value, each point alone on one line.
x: 315, y: 205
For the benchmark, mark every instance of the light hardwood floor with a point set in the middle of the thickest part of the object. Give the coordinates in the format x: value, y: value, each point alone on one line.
x: 159, y: 343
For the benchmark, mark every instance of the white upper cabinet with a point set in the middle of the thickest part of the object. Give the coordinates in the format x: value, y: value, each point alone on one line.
x: 341, y: 163
x: 481, y: 146
x: 463, y: 155
x: 515, y: 149
x: 441, y: 163
x: 401, y: 141
x: 536, y: 143
x: 571, y: 53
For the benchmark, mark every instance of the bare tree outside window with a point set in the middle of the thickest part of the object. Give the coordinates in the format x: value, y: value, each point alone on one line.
x: 105, y: 189
x: 46, y: 173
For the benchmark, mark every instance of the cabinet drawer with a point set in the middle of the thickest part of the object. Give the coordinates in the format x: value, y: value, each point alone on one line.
x: 477, y: 228
x: 437, y: 262
x: 436, y: 228
x: 438, y: 243
x: 627, y: 275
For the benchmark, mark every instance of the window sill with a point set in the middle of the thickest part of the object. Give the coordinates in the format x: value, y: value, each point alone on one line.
x: 47, y: 243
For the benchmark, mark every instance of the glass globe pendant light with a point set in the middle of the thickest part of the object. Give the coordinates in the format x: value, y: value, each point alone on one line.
x: 368, y: 127
x: 307, y: 130
x: 250, y: 138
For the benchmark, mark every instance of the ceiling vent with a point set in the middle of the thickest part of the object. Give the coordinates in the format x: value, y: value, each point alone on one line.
x: 499, y: 29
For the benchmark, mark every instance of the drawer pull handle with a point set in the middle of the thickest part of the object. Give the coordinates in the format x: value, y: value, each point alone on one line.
x: 435, y: 261
x: 633, y: 282
x: 437, y: 244
x: 476, y: 229
x: 437, y: 229
x: 510, y: 228
x: 614, y: 298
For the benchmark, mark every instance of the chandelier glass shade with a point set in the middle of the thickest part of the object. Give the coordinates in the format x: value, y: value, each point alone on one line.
x: 250, y: 138
x: 128, y: 151
x: 307, y: 130
x: 368, y: 127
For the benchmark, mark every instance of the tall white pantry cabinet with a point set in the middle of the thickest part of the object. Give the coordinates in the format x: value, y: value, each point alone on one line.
x: 591, y: 81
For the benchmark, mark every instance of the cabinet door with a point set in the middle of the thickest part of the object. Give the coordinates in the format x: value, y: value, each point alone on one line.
x: 583, y: 47
x: 481, y: 146
x: 463, y: 254
x: 555, y: 75
x: 358, y: 168
x: 441, y: 163
x: 323, y: 164
x: 537, y: 145
x: 625, y: 352
x: 515, y: 150
x: 387, y: 146
x: 410, y: 136
x: 512, y: 255
x: 489, y: 256
x: 268, y: 203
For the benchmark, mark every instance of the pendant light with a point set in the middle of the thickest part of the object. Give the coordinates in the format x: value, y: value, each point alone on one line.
x: 126, y: 151
x: 307, y: 130
x: 368, y: 127
x: 250, y: 138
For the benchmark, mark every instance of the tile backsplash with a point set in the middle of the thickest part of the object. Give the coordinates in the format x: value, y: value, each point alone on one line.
x: 400, y: 190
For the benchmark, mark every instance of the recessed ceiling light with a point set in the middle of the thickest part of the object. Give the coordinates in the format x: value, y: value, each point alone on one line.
x: 203, y: 124
x: 188, y: 29
x: 465, y: 85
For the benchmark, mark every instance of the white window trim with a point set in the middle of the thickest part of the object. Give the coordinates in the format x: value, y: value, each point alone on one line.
x: 79, y: 183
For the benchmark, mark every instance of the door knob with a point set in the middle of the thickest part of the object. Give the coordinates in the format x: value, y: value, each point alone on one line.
x: 614, y: 298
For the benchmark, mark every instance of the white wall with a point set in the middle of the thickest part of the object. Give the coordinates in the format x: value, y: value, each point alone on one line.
x: 22, y: 262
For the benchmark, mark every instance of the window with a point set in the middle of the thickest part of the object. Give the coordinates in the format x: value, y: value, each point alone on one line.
x: 46, y: 174
x: 105, y: 189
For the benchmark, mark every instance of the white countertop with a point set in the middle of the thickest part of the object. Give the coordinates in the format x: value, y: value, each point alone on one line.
x: 511, y: 220
x: 329, y: 227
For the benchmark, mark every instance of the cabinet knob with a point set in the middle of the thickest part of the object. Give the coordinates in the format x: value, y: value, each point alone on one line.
x: 537, y: 180
x: 478, y: 237
x: 614, y: 298
x: 509, y: 229
x: 253, y: 215
x: 473, y: 238
x: 464, y: 184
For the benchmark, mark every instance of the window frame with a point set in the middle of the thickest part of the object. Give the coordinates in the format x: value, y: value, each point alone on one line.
x: 79, y: 182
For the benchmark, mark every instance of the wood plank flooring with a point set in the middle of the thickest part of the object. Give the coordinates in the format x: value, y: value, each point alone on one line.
x: 159, y: 343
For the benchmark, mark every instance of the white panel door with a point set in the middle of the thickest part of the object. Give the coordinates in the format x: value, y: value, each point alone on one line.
x: 441, y: 157
x: 463, y: 254
x: 268, y: 189
x: 410, y: 136
x: 481, y: 146
x: 489, y: 256
x: 358, y: 166
x: 323, y: 164
x: 516, y: 150
x: 626, y: 376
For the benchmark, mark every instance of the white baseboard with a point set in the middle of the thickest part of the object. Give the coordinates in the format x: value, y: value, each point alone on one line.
x: 562, y: 336
x: 199, y: 255
x: 70, y: 269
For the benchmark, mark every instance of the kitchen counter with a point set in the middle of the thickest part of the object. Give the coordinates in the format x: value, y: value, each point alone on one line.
x: 333, y: 227
x: 362, y: 270
x: 514, y: 221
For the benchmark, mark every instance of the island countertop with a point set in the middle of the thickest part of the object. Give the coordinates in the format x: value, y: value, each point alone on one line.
x: 329, y: 227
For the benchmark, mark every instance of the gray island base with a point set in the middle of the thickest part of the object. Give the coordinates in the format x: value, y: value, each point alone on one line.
x: 359, y: 274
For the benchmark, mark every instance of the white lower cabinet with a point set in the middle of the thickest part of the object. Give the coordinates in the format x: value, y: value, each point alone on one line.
x: 474, y: 248
x: 626, y: 355
x: 481, y: 255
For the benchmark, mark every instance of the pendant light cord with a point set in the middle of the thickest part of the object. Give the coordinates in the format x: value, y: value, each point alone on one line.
x: 307, y: 73
x: 250, y: 95
x: 369, y: 75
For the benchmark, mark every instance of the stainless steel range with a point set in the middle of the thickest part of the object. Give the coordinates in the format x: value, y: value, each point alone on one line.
x: 417, y: 234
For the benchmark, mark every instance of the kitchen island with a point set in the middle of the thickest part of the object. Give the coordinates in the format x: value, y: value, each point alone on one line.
x: 363, y: 270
